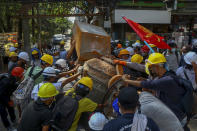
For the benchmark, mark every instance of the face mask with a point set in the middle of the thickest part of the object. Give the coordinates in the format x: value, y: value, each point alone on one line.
x: 173, y: 49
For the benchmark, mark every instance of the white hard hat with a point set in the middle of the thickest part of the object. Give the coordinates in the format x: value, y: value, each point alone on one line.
x: 131, y: 50
x: 12, y: 49
x: 194, y: 42
x: 24, y: 56
x: 61, y: 62
x: 136, y: 44
x: 49, y: 71
x: 190, y: 57
x: 97, y: 121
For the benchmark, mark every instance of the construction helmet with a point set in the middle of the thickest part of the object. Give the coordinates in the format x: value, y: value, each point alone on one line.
x: 97, y: 121
x: 34, y: 52
x: 62, y: 42
x: 24, y: 56
x: 49, y: 71
x: 190, y: 57
x: 47, y: 58
x: 12, y: 49
x: 137, y: 41
x: 154, y: 58
x: 12, y: 54
x: 123, y: 52
x: 137, y: 58
x: 152, y: 45
x: 62, y: 63
x: 47, y: 90
x: 87, y: 81
x: 16, y: 45
x: 17, y: 72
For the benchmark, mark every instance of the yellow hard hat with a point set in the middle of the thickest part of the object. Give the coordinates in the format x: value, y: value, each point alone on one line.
x: 123, y: 52
x: 137, y: 41
x: 154, y: 58
x: 13, y: 54
x: 47, y: 90
x: 34, y: 52
x: 137, y: 58
x: 47, y: 58
x: 152, y: 45
x: 16, y: 45
x: 87, y: 81
x: 62, y: 42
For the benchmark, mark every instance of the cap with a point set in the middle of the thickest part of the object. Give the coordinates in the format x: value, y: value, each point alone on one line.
x: 129, y: 97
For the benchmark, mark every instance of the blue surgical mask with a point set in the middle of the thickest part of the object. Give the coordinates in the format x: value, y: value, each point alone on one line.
x: 173, y: 49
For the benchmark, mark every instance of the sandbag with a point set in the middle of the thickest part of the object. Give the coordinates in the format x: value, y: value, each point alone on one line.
x: 160, y: 113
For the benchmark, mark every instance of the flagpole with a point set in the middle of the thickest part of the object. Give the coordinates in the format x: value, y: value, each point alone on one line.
x: 149, y: 47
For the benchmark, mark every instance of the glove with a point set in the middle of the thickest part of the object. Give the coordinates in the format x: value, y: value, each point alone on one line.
x: 123, y: 63
x: 116, y: 61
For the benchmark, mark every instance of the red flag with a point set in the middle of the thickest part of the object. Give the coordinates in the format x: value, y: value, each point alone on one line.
x: 147, y: 35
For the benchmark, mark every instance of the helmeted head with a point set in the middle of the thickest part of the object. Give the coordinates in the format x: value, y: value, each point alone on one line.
x: 61, y: 64
x: 13, y: 56
x: 47, y: 92
x: 137, y: 58
x: 24, y: 57
x: 12, y: 49
x: 35, y: 54
x: 17, y: 72
x: 84, y: 86
x: 46, y: 60
x: 50, y: 74
x: 190, y: 57
x: 62, y: 43
x: 97, y: 121
x: 124, y: 54
x: 156, y: 65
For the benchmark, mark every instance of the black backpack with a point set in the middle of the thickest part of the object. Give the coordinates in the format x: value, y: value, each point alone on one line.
x: 187, y: 100
x: 64, y: 112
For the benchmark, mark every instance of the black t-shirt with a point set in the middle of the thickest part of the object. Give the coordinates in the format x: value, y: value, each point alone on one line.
x: 124, y: 123
x: 35, y: 116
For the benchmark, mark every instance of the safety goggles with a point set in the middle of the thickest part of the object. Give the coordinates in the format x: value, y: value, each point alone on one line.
x: 81, y: 86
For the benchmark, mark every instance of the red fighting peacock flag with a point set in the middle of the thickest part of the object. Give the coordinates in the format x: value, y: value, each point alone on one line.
x: 147, y: 35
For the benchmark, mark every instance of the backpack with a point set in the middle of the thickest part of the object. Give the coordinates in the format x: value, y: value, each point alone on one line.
x: 23, y: 91
x: 64, y: 112
x: 3, y: 83
x: 187, y: 101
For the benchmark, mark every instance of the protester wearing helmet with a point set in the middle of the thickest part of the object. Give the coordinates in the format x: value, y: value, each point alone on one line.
x: 8, y: 85
x: 189, y: 71
x: 83, y: 87
x: 97, y: 121
x: 124, y: 55
x: 35, y: 57
x: 63, y: 52
x: 164, y: 84
x: 51, y: 75
x: 137, y: 47
x: 23, y: 58
x: 61, y: 65
x: 13, y: 49
x: 130, y: 120
x: 184, y: 51
x: 37, y: 115
x: 12, y: 59
x: 133, y: 67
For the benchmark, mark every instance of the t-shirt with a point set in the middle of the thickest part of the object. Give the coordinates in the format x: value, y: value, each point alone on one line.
x: 85, y: 105
x: 36, y: 70
x: 124, y: 123
x: 35, y: 116
x: 34, y: 93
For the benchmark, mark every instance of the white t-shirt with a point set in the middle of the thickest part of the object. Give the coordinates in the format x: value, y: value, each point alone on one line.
x: 34, y: 93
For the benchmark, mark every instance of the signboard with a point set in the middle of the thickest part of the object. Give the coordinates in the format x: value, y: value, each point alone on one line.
x: 142, y: 16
